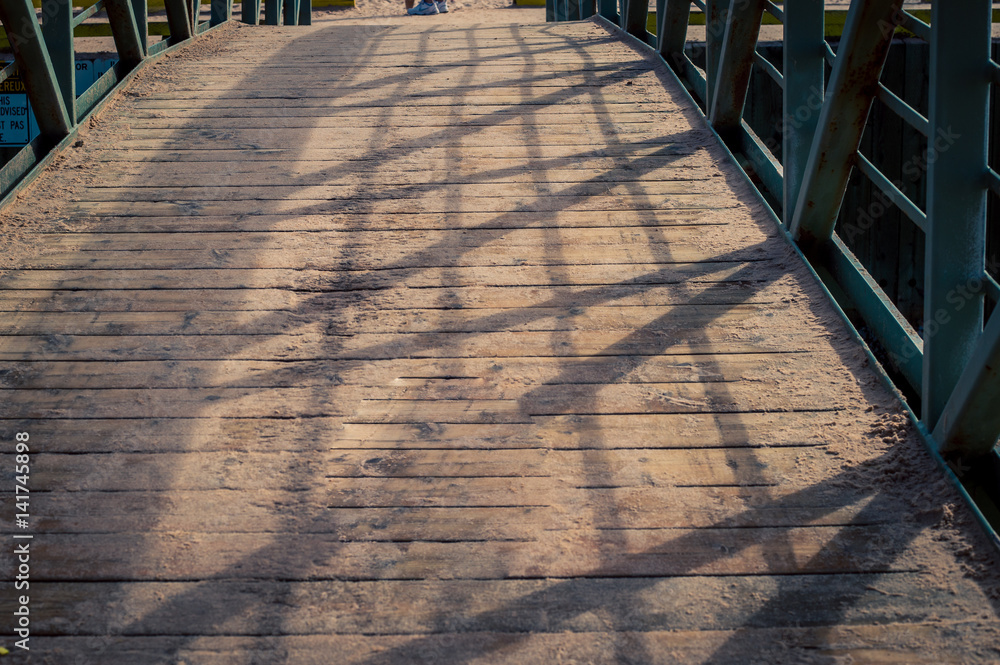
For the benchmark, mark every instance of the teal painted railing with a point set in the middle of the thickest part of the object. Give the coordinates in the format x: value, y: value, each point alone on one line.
x: 44, y: 58
x: 953, y: 365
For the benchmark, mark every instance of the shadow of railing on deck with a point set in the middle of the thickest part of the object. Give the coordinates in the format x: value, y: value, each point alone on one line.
x: 568, y: 600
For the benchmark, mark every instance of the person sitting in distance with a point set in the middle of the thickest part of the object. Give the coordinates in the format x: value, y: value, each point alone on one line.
x: 426, y: 7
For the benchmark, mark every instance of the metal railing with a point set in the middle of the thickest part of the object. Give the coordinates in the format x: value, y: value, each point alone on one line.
x: 953, y: 366
x: 45, y: 54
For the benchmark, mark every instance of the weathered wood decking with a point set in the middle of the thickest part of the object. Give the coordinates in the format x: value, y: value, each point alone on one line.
x: 450, y: 340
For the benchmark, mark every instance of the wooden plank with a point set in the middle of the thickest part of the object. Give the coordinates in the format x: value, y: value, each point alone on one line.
x: 591, y: 432
x: 415, y: 401
x: 595, y: 191
x: 523, y: 168
x: 885, y: 644
x: 265, y: 299
x: 368, y: 474
x: 202, y: 111
x: 386, y: 346
x: 113, y: 228
x: 237, y: 174
x: 465, y: 373
x: 580, y: 94
x: 227, y: 511
x: 385, y: 206
x: 354, y: 321
x: 517, y: 608
x: 418, y: 252
x: 323, y: 118
x: 641, y: 153
x: 414, y: 274
x: 154, y: 557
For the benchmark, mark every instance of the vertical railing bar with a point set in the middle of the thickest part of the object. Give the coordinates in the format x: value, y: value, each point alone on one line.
x: 141, y: 14
x: 250, y: 10
x: 608, y: 9
x: 716, y: 12
x: 272, y: 12
x: 661, y: 6
x: 956, y: 196
x: 291, y: 12
x: 803, y: 79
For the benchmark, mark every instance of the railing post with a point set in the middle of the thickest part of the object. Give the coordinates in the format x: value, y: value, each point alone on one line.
x: 272, y: 12
x: 634, y: 18
x: 803, y: 70
x: 671, y: 33
x: 291, y: 12
x: 608, y: 9
x: 305, y: 12
x: 732, y: 77
x: 956, y: 195
x: 125, y: 32
x: 32, y: 57
x: 251, y: 12
x: 57, y: 28
x: 141, y: 14
x: 222, y: 11
x: 178, y: 20
x: 849, y: 96
x: 715, y: 30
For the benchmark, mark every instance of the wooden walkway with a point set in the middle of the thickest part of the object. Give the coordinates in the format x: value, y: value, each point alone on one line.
x: 449, y: 340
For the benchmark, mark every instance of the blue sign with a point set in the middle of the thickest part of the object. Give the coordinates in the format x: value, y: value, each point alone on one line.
x: 17, y: 122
